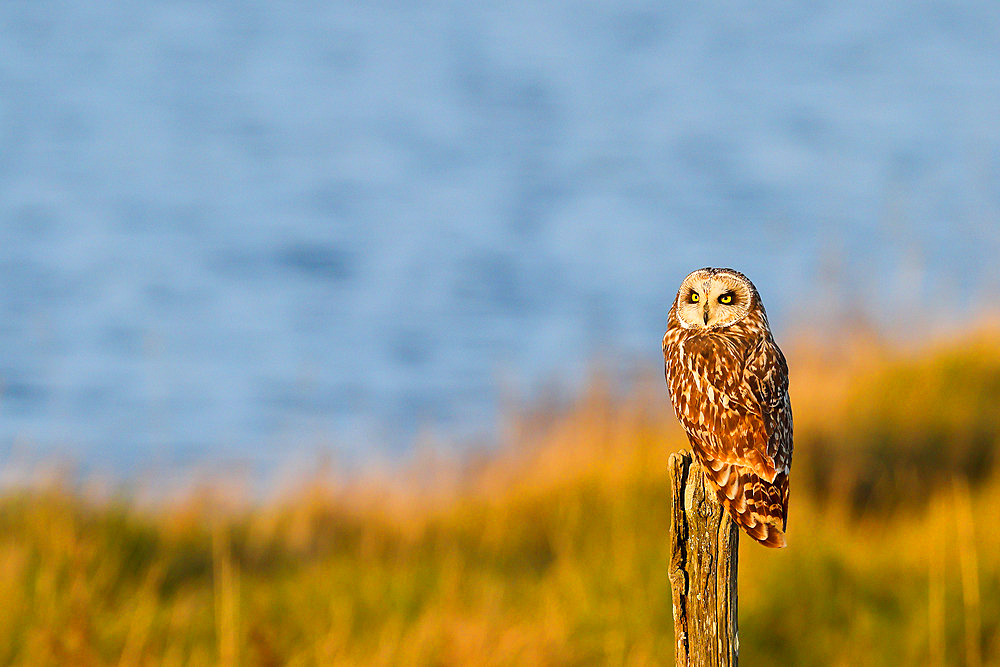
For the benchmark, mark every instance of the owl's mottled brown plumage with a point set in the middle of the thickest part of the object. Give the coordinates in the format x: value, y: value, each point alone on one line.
x: 728, y: 383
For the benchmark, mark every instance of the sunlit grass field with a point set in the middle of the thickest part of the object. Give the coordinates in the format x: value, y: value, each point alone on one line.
x: 552, y: 550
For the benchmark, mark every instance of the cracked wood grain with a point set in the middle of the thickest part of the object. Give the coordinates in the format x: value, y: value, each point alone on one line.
x: 704, y: 548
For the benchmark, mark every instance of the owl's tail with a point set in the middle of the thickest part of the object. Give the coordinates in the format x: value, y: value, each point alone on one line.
x: 758, y: 506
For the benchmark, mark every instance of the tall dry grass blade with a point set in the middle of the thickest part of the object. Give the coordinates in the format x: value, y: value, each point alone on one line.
x: 143, y: 614
x: 968, y: 560
x: 935, y: 600
x: 225, y: 597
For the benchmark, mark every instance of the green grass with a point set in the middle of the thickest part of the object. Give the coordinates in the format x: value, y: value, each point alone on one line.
x: 552, y: 551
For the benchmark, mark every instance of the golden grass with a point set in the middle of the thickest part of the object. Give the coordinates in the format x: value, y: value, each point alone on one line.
x: 553, y: 550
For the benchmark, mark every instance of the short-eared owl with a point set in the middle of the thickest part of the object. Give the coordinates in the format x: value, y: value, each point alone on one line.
x: 728, y: 383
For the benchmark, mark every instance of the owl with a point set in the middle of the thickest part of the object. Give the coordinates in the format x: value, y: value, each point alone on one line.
x: 728, y: 383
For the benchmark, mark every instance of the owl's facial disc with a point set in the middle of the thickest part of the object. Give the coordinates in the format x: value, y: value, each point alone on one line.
x: 713, y: 298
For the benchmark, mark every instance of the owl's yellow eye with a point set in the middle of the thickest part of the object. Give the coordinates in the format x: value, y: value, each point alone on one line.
x: 694, y: 297
x: 726, y: 298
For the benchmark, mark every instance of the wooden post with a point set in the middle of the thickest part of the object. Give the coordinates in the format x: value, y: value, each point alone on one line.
x: 704, y: 546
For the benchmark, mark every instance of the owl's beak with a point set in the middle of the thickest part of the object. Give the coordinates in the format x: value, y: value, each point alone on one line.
x: 706, y: 313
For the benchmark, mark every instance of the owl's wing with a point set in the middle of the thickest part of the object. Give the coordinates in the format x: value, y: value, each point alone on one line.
x: 765, y: 391
x: 763, y: 508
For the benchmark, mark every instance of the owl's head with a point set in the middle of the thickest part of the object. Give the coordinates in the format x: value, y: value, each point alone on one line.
x: 714, y: 298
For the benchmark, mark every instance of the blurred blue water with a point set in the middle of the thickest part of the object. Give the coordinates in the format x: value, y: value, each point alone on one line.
x: 238, y: 231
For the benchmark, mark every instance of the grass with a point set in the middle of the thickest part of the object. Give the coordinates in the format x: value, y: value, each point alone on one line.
x: 553, y: 550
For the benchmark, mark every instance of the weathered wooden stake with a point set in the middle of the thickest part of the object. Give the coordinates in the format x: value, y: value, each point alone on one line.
x: 704, y: 546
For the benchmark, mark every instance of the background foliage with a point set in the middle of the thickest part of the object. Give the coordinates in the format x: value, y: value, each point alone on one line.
x: 552, y: 550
